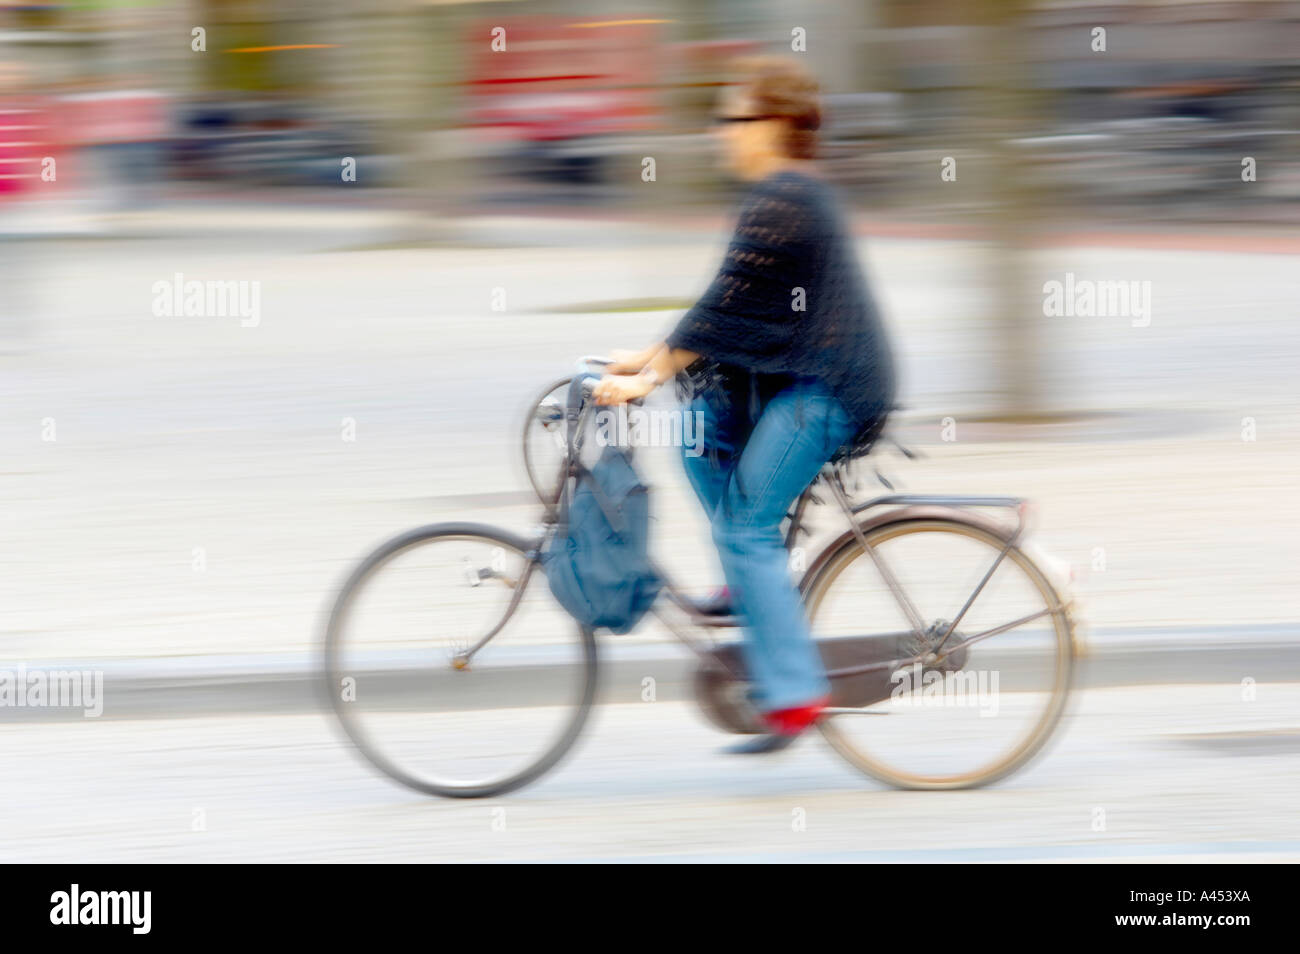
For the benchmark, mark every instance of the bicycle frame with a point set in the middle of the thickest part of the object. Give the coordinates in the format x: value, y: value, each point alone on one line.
x: 833, y: 476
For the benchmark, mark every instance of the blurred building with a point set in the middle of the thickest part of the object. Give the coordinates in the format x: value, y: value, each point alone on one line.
x: 578, y: 91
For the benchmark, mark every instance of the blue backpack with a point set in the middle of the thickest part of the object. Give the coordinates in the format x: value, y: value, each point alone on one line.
x: 597, y: 563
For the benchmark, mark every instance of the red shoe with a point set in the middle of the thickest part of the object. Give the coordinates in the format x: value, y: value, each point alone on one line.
x: 795, y: 720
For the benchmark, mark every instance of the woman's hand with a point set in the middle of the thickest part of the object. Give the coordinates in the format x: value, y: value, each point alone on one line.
x: 621, y: 388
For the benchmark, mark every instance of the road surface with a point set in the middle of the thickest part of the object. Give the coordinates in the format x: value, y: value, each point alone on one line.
x: 1138, y: 774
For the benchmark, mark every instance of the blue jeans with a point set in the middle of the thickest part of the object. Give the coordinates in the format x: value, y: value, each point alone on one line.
x: 747, y: 479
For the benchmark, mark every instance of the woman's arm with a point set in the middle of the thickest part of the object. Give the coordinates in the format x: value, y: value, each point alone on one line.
x: 748, y: 314
x: 752, y: 313
x: 630, y: 362
x: 664, y: 364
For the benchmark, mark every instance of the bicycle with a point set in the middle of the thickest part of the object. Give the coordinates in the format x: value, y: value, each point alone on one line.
x: 439, y: 668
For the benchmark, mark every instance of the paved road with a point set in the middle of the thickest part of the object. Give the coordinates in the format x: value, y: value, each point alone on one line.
x: 1174, y: 773
x: 184, y: 486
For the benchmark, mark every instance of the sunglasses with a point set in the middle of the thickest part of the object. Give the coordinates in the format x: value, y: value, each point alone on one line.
x: 723, y: 120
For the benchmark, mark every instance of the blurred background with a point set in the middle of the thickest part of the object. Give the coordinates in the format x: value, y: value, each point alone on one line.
x: 1137, y: 120
x: 441, y: 205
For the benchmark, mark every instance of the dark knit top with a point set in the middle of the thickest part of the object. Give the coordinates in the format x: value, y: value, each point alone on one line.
x: 790, y: 300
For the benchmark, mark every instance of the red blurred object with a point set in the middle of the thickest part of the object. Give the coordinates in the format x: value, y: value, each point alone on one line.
x: 559, y: 80
x: 26, y: 138
x: 117, y: 116
x: 794, y: 720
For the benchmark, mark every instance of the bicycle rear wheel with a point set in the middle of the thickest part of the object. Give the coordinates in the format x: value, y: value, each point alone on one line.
x: 452, y: 669
x: 994, y: 698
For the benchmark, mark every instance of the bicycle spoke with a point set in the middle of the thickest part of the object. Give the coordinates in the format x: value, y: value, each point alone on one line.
x: 896, y: 588
x: 882, y: 567
x: 1004, y: 628
x: 970, y: 600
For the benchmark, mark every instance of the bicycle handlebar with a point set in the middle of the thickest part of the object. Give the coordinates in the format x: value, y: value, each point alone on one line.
x: 593, y: 363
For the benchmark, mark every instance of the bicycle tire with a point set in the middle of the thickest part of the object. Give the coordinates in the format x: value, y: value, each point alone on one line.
x: 346, y: 716
x: 545, y: 494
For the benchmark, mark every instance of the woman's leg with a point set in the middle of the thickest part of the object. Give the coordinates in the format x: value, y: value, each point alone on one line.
x: 798, y: 431
x: 720, y: 442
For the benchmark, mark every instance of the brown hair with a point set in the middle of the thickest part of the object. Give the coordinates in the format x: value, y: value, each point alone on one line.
x: 782, y: 89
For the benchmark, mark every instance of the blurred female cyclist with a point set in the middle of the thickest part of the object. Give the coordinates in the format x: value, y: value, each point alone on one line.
x: 787, y: 360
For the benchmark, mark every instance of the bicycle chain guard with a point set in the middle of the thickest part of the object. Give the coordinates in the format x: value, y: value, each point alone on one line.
x: 721, y: 680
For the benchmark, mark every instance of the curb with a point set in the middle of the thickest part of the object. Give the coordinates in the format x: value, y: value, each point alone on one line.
x: 184, y: 687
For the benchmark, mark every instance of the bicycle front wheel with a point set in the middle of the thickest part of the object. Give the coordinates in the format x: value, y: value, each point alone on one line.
x: 544, y: 443
x: 452, y: 668
x: 994, y: 694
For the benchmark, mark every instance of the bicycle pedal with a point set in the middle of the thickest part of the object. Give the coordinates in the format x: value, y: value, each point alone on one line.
x: 720, y: 622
